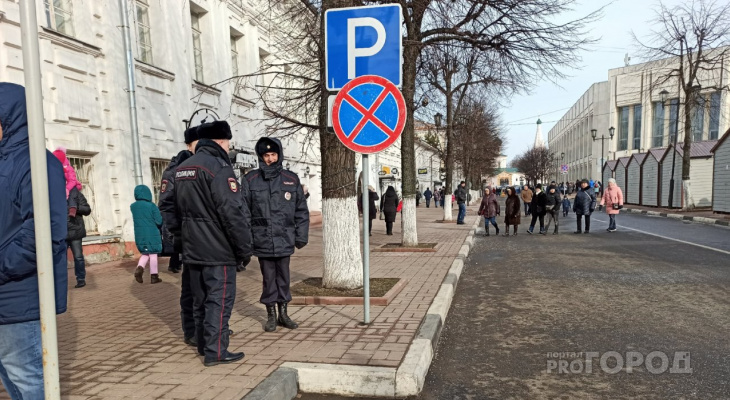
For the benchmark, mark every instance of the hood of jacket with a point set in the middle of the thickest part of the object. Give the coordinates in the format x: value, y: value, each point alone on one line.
x: 142, y: 192
x: 13, y: 119
x: 181, y: 157
x: 263, y: 147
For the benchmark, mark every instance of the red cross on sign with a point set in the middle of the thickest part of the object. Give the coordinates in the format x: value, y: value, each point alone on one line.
x: 369, y: 114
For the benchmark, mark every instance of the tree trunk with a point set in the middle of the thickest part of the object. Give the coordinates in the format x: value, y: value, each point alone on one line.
x: 688, y: 201
x: 408, y: 159
x: 340, y: 226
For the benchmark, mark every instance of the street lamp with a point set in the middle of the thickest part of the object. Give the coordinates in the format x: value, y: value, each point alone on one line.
x: 307, y: 170
x: 594, y: 133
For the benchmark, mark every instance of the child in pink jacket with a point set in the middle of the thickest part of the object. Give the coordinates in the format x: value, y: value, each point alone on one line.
x: 68, y: 171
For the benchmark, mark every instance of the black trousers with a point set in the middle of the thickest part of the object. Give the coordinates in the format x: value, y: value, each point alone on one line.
x: 388, y: 227
x: 578, y: 217
x: 535, y: 217
x: 186, y: 304
x: 428, y: 203
x: 214, y: 292
x: 175, y: 262
x: 276, y: 280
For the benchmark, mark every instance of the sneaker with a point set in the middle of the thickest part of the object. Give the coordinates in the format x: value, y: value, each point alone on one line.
x: 577, y: 232
x: 608, y: 229
x: 529, y: 231
x: 586, y: 232
x: 612, y: 230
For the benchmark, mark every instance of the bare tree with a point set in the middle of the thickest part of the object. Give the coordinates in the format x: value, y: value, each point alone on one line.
x: 536, y: 164
x: 691, y: 44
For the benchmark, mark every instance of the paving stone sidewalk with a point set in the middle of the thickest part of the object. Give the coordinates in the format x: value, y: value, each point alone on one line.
x: 123, y: 340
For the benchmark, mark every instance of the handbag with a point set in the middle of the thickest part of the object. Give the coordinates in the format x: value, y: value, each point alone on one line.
x: 382, y: 216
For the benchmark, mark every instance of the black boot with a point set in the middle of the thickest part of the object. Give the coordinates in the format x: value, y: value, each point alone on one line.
x: 271, y: 322
x: 284, y: 319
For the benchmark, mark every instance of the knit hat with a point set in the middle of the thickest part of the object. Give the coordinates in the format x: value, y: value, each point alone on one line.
x: 215, y: 130
x: 191, y: 134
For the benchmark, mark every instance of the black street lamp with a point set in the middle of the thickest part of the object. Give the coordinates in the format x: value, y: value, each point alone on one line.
x: 594, y: 134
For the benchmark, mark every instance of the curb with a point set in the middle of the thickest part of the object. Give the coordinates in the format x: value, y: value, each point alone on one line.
x: 358, y: 380
x: 689, y: 218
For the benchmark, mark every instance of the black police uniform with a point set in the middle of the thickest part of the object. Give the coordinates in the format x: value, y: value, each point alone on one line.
x: 216, y: 236
x: 167, y: 209
x: 279, y: 222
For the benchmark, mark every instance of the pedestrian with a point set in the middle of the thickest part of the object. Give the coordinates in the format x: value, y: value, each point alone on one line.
x: 583, y: 206
x: 78, y: 207
x: 436, y: 197
x: 460, y: 194
x: 372, y: 208
x: 538, y: 210
x: 613, y: 199
x: 147, y: 224
x: 21, y: 350
x: 280, y: 223
x: 168, y: 209
x: 443, y: 198
x: 418, y: 198
x: 489, y: 209
x: 389, y: 207
x: 68, y: 170
x: 566, y: 206
x: 552, y: 208
x: 526, y: 195
x: 512, y: 211
x: 428, y: 195
x: 596, y: 188
x: 216, y: 240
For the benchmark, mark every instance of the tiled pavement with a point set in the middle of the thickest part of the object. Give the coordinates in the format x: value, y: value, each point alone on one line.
x: 123, y: 340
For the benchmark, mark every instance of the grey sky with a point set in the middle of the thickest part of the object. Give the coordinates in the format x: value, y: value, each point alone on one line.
x: 614, y: 31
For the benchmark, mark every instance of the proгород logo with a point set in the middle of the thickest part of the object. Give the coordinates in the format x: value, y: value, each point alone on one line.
x: 613, y: 362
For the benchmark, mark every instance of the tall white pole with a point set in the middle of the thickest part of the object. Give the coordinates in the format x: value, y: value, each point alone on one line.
x: 41, y: 203
x: 131, y: 92
x: 366, y: 238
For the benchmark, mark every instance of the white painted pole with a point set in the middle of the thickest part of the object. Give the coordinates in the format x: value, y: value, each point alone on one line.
x: 131, y: 92
x: 41, y: 203
x: 366, y: 238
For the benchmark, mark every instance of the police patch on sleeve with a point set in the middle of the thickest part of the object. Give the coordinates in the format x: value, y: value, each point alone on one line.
x: 163, y: 186
x: 287, y: 195
x: 233, y: 184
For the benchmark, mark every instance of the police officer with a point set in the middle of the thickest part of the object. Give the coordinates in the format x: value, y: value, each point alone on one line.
x: 279, y: 222
x: 167, y: 208
x: 214, y: 219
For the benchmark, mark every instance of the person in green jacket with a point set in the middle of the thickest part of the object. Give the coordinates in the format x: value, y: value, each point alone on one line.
x: 147, y: 223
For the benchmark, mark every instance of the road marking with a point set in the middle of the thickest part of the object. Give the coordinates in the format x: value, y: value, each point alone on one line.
x: 669, y: 238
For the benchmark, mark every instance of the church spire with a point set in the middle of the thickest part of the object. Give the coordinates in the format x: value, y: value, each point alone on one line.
x: 539, y: 142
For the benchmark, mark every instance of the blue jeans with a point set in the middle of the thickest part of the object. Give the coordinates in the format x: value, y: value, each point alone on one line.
x: 462, y: 213
x: 493, y: 221
x: 21, y: 360
x: 79, y: 264
x: 612, y: 221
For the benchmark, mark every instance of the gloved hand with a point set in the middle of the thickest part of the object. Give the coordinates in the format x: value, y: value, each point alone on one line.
x: 299, y: 245
x: 243, y: 264
x: 600, y: 208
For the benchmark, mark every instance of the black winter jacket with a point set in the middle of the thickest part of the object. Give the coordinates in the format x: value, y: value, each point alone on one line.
x: 585, y: 202
x: 553, y: 199
x: 279, y: 212
x: 389, y: 205
x: 76, y: 227
x: 537, y: 205
x: 210, y: 209
x: 460, y: 194
x: 170, y: 243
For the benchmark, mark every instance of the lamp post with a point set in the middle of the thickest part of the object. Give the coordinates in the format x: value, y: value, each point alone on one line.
x: 594, y: 134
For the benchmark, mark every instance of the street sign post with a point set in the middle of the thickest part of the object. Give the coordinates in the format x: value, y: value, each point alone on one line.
x: 363, y: 41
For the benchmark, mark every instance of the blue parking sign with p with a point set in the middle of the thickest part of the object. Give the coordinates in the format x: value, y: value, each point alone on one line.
x: 363, y: 41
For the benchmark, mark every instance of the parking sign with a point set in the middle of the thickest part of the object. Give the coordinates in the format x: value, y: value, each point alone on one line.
x: 363, y: 41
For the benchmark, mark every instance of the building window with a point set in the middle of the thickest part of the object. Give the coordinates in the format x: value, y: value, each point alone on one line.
x: 698, y: 119
x: 658, y: 125
x: 197, y: 47
x: 234, y: 55
x: 59, y: 16
x: 637, y: 127
x: 714, y: 115
x: 673, y: 118
x: 623, y: 128
x: 158, y: 167
x: 144, y: 39
x: 84, y: 169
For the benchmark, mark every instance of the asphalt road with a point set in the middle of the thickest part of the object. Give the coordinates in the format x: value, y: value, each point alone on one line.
x: 524, y: 304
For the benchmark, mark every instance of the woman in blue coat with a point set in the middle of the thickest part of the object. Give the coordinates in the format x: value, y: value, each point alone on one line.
x: 147, y: 237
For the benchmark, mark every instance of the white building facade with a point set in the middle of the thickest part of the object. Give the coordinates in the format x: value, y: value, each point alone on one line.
x: 183, y: 50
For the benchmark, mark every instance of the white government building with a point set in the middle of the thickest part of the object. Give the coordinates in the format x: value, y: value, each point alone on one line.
x: 181, y: 49
x: 630, y: 102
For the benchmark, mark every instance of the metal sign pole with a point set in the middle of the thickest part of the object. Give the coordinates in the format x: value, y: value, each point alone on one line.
x: 366, y: 239
x: 41, y: 202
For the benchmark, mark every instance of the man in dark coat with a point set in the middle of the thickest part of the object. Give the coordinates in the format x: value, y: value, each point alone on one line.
x: 167, y: 209
x: 552, y: 208
x: 78, y: 207
x: 279, y: 222
x: 460, y: 194
x: 427, y: 195
x: 21, y: 352
x: 214, y: 219
x: 539, y: 200
x: 583, y: 205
